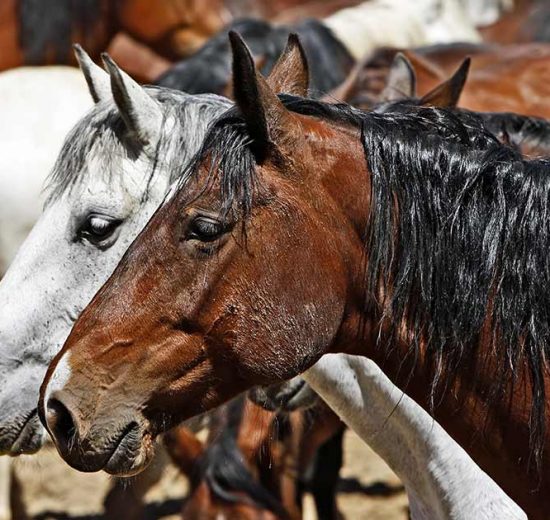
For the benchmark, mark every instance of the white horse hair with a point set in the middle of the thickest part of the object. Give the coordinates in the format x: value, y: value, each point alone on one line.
x: 402, y: 23
x: 38, y: 106
x: 441, y: 479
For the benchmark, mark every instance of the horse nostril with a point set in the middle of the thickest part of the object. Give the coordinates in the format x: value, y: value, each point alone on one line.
x: 60, y: 422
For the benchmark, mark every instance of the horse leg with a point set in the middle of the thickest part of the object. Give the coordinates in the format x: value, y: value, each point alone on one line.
x: 326, y: 473
x: 5, y: 483
x: 126, y: 498
x: 17, y: 504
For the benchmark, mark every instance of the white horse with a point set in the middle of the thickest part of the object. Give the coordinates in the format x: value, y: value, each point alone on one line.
x: 113, y: 172
x: 38, y: 107
x: 406, y: 23
x: 88, y: 222
x: 401, y: 23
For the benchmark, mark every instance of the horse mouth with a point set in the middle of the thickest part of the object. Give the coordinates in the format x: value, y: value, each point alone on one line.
x: 30, y: 437
x: 302, y: 398
x: 131, y: 453
x: 286, y: 398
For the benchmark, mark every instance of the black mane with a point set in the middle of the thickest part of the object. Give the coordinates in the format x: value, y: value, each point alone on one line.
x: 472, y: 222
x: 517, y: 130
x: 46, y: 27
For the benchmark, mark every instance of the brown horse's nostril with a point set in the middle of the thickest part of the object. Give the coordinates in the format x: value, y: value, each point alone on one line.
x: 60, y: 422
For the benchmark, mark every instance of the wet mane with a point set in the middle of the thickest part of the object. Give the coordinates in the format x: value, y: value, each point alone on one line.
x: 46, y: 26
x: 101, y: 136
x: 463, y: 255
x: 515, y: 129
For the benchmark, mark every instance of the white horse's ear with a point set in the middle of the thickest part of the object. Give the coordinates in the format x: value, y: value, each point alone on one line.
x: 98, y: 80
x: 141, y: 113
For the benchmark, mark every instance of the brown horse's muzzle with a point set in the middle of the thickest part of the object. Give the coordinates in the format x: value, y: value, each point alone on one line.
x: 92, y: 429
x: 120, y: 447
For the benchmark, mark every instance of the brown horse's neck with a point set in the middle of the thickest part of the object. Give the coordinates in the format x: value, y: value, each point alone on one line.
x: 493, y: 429
x: 495, y: 432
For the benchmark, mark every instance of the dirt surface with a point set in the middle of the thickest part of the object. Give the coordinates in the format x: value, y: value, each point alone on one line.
x: 52, y: 491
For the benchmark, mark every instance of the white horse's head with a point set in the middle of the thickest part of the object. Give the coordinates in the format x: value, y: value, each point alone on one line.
x: 113, y: 172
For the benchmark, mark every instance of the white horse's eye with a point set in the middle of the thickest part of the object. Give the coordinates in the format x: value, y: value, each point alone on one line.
x: 98, y: 229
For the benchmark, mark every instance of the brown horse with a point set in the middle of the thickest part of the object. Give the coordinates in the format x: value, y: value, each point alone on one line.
x: 304, y: 228
x: 530, y: 135
x: 254, y: 463
x: 40, y: 32
x: 502, y: 78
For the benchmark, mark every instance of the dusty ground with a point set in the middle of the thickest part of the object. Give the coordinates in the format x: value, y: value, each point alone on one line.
x: 52, y: 491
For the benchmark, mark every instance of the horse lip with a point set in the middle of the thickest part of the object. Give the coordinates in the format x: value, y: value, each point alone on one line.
x: 127, y: 448
x: 292, y: 403
x: 283, y: 402
x: 30, y: 437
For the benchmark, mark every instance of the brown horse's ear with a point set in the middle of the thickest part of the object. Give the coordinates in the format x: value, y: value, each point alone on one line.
x: 401, y: 82
x: 97, y: 79
x: 290, y: 75
x: 140, y: 112
x: 227, y: 91
x: 448, y: 93
x: 346, y: 89
x: 271, y: 126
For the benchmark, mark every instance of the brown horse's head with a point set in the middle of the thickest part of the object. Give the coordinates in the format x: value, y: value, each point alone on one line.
x: 238, y: 472
x: 245, y: 277
x: 173, y: 28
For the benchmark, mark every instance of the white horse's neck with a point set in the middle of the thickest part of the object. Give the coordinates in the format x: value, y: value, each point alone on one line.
x: 401, y: 23
x: 442, y: 481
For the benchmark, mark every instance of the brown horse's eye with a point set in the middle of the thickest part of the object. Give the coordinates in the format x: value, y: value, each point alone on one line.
x: 205, y: 229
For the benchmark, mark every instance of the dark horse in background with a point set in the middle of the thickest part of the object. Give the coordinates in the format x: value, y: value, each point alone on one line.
x: 209, y: 69
x: 414, y: 239
x: 257, y: 464
x: 41, y: 32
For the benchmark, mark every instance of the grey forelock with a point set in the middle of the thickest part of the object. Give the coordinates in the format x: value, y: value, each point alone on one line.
x: 101, y: 138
